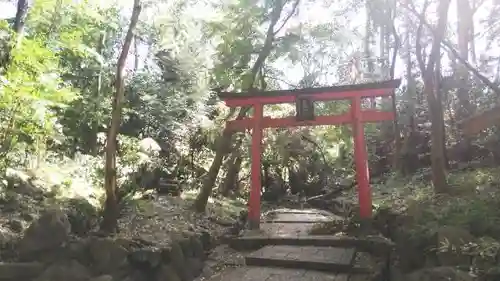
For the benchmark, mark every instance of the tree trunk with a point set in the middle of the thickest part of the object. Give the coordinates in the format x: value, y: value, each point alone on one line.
x: 136, y: 53
x: 94, y: 130
x: 370, y: 69
x: 225, y: 140
x: 440, y: 110
x: 231, y: 179
x: 111, y: 209
x: 438, y: 158
x: 19, y: 22
x: 464, y: 107
x: 21, y: 13
x: 407, y: 155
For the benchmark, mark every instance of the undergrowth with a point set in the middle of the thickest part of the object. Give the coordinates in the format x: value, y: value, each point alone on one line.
x: 472, y: 202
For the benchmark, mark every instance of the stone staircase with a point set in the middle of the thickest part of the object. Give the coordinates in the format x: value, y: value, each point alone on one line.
x: 284, y: 250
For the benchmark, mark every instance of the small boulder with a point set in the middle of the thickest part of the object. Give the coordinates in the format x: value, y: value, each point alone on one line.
x: 16, y: 225
x: 107, y: 255
x: 197, y: 247
x: 149, y: 146
x: 195, y: 266
x: 146, y: 258
x: 49, y: 232
x: 64, y: 271
x: 185, y: 243
x: 102, y: 278
x: 167, y: 272
x: 20, y: 182
x: 178, y: 261
x: 20, y: 270
x: 443, y: 273
x: 206, y: 240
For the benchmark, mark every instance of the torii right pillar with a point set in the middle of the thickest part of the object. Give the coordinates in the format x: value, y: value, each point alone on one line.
x: 361, y: 160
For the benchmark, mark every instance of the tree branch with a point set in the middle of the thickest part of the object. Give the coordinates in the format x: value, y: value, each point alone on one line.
x: 295, y: 6
x: 452, y: 49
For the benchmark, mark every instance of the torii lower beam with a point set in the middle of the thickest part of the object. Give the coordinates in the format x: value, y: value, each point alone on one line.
x: 356, y: 116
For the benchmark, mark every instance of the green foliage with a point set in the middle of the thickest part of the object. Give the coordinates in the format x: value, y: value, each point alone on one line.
x: 472, y: 206
x: 31, y: 89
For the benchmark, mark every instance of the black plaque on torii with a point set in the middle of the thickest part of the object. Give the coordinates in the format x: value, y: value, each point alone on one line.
x: 305, y: 108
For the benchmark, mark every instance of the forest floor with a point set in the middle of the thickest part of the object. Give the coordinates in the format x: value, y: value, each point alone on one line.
x: 407, y: 211
x: 437, y: 234
x: 149, y: 227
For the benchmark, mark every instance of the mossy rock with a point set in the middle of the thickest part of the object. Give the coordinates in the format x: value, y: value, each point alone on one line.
x: 178, y: 261
x: 197, y: 247
x: 206, y: 240
x: 187, y: 249
x: 167, y: 273
x: 195, y: 266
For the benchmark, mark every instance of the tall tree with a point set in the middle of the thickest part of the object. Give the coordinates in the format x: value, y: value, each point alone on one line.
x: 431, y: 90
x: 111, y: 208
x: 225, y: 140
x: 20, y: 21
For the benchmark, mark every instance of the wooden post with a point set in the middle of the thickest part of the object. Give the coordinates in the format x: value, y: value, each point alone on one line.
x: 254, y: 202
x: 361, y: 160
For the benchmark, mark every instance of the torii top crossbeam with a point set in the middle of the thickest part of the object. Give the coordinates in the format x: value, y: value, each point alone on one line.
x: 377, y: 89
x: 304, y: 100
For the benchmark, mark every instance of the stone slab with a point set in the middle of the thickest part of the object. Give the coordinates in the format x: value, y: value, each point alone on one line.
x: 251, y: 273
x: 303, y: 217
x: 309, y: 253
x: 375, y: 245
x: 307, y: 257
x: 286, y: 229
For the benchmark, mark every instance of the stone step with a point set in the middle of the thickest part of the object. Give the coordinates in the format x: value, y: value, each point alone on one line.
x: 254, y: 273
x: 375, y: 245
x: 298, y: 217
x: 330, y: 259
x: 20, y: 270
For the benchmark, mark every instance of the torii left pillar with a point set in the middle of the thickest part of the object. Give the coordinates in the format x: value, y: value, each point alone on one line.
x: 254, y: 202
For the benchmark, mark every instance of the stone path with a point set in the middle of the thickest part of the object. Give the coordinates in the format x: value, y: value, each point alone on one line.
x: 289, y: 252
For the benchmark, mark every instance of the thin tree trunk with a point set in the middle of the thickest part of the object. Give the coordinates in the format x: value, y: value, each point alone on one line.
x: 94, y: 147
x: 440, y: 113
x: 111, y: 209
x: 231, y: 179
x: 438, y: 158
x: 136, y: 53
x: 19, y: 23
x: 406, y: 153
x: 21, y: 13
x: 367, y: 53
x: 225, y: 140
x: 464, y: 107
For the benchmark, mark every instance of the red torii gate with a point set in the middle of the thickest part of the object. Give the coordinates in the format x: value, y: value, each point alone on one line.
x: 304, y: 100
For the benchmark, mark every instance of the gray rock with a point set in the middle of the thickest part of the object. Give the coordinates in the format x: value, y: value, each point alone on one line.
x: 16, y: 225
x: 20, y: 183
x: 49, y: 232
x: 102, y: 278
x: 167, y: 273
x: 107, y: 255
x: 195, y: 266
x: 20, y: 270
x: 64, y: 271
x: 149, y: 146
x: 197, y: 247
x: 442, y: 273
x: 179, y: 263
x: 147, y: 257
